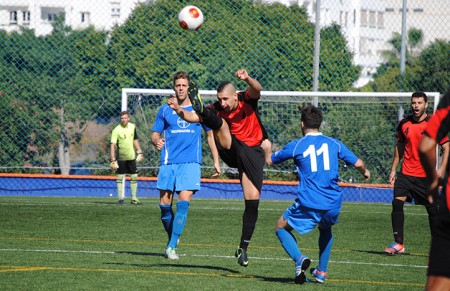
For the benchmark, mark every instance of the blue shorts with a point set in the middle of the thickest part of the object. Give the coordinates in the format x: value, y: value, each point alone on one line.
x: 179, y: 177
x: 304, y: 219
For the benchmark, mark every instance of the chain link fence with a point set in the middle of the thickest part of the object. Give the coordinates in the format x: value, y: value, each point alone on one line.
x: 64, y: 64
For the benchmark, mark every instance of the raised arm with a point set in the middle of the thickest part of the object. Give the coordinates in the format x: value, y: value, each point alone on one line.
x: 186, y: 115
x: 254, y: 86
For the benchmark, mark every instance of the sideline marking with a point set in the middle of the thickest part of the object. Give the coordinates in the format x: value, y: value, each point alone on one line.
x: 210, y: 256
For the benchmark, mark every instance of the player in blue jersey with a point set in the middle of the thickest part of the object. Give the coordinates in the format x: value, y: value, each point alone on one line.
x: 319, y: 199
x: 180, y: 144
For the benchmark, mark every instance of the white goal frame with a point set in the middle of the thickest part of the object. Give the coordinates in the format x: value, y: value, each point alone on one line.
x: 212, y: 93
x: 289, y: 96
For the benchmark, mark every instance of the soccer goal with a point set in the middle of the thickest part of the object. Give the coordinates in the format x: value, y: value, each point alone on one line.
x: 365, y: 121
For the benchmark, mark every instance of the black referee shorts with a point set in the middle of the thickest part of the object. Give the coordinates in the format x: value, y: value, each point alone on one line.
x: 248, y: 160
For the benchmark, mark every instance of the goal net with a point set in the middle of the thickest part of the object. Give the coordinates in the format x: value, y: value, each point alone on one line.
x: 366, y: 122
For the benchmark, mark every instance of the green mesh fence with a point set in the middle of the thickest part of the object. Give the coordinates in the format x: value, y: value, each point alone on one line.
x: 63, y: 68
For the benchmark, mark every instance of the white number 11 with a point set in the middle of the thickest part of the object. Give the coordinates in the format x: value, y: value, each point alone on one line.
x: 313, y: 153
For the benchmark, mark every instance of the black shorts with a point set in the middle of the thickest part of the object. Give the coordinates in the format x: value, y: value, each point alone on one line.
x: 412, y: 188
x: 439, y: 260
x: 246, y: 159
x: 127, y: 167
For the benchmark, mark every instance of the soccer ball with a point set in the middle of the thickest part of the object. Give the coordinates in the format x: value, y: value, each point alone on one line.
x: 190, y: 18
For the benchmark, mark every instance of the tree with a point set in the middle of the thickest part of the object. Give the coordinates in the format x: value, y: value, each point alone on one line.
x: 52, y: 87
x: 274, y: 42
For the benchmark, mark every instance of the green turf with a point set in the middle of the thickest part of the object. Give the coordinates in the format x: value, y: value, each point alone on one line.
x: 95, y: 244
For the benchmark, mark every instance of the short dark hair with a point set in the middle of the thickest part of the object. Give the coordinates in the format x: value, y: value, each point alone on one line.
x: 419, y: 94
x: 222, y: 86
x: 123, y: 113
x: 181, y: 75
x: 311, y: 116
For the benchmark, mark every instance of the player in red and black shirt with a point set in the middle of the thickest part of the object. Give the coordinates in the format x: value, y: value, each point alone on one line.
x: 239, y: 133
x: 411, y: 183
x: 439, y: 259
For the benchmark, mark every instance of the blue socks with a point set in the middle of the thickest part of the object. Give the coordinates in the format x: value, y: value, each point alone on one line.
x: 179, y: 222
x: 167, y: 218
x: 325, y: 244
x: 289, y: 243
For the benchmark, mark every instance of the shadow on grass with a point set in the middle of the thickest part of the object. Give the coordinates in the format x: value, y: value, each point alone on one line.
x: 386, y: 255
x: 140, y: 253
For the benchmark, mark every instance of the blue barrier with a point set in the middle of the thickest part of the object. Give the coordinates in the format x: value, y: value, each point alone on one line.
x: 88, y: 187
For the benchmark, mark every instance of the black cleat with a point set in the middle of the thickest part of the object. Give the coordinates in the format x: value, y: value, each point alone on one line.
x: 300, y: 267
x: 194, y: 96
x: 241, y: 255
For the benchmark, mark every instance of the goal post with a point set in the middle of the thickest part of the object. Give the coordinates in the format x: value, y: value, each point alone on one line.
x: 365, y: 121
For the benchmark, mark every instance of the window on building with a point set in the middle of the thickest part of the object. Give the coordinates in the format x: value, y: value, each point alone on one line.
x: 13, y: 17
x: 51, y: 17
x: 380, y: 20
x: 363, y: 18
x: 85, y: 17
x: 372, y: 19
x: 26, y: 16
x: 115, y: 9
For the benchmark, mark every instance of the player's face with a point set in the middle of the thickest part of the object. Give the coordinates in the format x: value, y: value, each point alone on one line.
x: 124, y: 119
x: 418, y: 106
x: 227, y: 100
x: 180, y: 87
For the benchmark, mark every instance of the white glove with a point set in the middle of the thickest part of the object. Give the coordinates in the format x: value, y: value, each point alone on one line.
x: 139, y: 157
x: 114, y: 165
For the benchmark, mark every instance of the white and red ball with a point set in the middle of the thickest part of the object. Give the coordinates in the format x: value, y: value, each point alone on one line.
x: 190, y: 18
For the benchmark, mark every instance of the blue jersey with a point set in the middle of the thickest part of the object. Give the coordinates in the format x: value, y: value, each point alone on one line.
x: 316, y: 158
x: 183, y: 143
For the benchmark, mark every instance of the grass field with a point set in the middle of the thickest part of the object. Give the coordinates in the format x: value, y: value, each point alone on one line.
x: 95, y: 244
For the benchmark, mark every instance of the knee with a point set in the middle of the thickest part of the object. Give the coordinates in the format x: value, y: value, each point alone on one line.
x: 397, y: 205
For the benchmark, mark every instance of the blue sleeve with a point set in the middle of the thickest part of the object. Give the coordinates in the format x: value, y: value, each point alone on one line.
x: 285, y: 153
x: 158, y: 125
x: 347, y: 155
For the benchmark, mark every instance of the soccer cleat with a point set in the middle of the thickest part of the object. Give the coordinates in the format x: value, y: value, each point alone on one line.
x: 120, y: 202
x: 394, y: 249
x: 318, y: 275
x: 171, y: 254
x: 241, y: 255
x: 194, y: 96
x: 300, y: 267
x: 136, y: 201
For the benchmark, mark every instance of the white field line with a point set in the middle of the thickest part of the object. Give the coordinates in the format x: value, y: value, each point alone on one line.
x: 210, y: 256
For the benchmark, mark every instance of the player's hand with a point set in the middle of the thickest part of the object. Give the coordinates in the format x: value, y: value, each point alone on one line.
x: 114, y: 165
x: 367, y: 174
x: 242, y: 74
x: 217, y: 173
x: 173, y: 103
x: 160, y: 144
x: 392, y: 178
x: 140, y: 156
